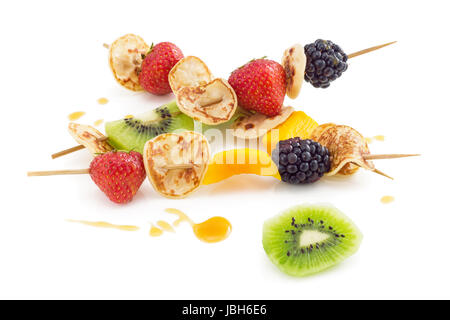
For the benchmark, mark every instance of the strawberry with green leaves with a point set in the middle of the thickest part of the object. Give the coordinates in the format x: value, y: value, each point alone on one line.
x: 118, y: 174
x: 154, y: 73
x: 260, y: 85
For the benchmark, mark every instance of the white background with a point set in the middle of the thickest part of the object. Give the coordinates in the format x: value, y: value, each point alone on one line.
x: 53, y: 63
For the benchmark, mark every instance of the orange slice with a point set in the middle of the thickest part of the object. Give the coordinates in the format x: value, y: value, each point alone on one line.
x: 299, y: 124
x: 240, y: 161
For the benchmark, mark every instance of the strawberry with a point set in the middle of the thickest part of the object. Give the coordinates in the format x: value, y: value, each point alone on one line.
x: 154, y: 74
x: 118, y: 174
x: 260, y: 85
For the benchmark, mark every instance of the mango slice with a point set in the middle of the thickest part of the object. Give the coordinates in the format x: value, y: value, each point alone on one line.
x: 240, y: 161
x: 299, y: 124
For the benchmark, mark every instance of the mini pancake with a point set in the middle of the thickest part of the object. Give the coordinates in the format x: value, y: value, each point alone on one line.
x: 200, y: 96
x: 347, y: 148
x: 256, y: 125
x: 90, y: 138
x: 125, y: 59
x: 212, y: 104
x: 189, y: 72
x: 294, y: 63
x: 176, y: 163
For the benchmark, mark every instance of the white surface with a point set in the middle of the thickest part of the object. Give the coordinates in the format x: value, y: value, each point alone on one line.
x: 53, y: 63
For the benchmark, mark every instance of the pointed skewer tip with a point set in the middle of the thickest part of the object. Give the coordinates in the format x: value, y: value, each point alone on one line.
x: 382, y: 174
x: 361, y: 52
x: 387, y: 156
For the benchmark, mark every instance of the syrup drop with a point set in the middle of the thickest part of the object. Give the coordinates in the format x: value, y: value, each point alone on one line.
x: 102, y: 101
x: 76, y: 115
x: 387, y: 199
x: 155, y: 232
x: 98, y: 122
x: 213, y: 230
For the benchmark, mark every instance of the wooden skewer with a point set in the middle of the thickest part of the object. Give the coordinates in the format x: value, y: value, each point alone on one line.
x: 56, y: 172
x: 86, y: 171
x: 358, y: 53
x: 209, y: 104
x: 67, y: 151
x: 382, y: 173
x: 375, y: 171
x: 387, y: 156
x: 73, y: 149
x: 179, y: 166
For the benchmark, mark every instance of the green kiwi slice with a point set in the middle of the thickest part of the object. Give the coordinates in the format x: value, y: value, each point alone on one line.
x: 308, y: 239
x: 132, y: 133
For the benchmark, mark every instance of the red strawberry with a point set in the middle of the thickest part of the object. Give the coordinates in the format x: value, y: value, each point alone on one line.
x: 154, y: 74
x: 260, y: 85
x: 118, y: 174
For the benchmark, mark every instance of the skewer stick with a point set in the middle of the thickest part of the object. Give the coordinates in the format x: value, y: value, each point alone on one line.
x: 209, y: 104
x: 73, y: 149
x: 358, y: 53
x: 86, y: 171
x: 387, y: 156
x: 56, y: 172
x: 375, y: 171
x: 179, y: 166
x: 67, y: 151
x: 382, y: 174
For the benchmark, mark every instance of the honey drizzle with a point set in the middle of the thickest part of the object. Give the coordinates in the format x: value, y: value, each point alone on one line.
x: 165, y: 226
x: 215, y: 229
x: 76, y: 115
x: 102, y: 224
x: 182, y: 217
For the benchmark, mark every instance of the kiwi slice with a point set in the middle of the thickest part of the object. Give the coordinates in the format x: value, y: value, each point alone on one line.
x: 308, y: 239
x: 132, y: 133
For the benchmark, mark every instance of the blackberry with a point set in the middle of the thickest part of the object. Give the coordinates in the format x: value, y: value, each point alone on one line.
x: 325, y: 62
x: 301, y: 161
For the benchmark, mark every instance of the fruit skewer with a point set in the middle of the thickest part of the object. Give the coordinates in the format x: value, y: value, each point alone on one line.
x: 366, y: 157
x: 352, y: 55
x: 175, y: 174
x: 96, y: 145
x: 179, y: 173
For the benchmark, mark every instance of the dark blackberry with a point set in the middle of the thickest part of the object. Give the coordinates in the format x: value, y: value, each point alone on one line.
x: 325, y: 63
x: 301, y: 161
